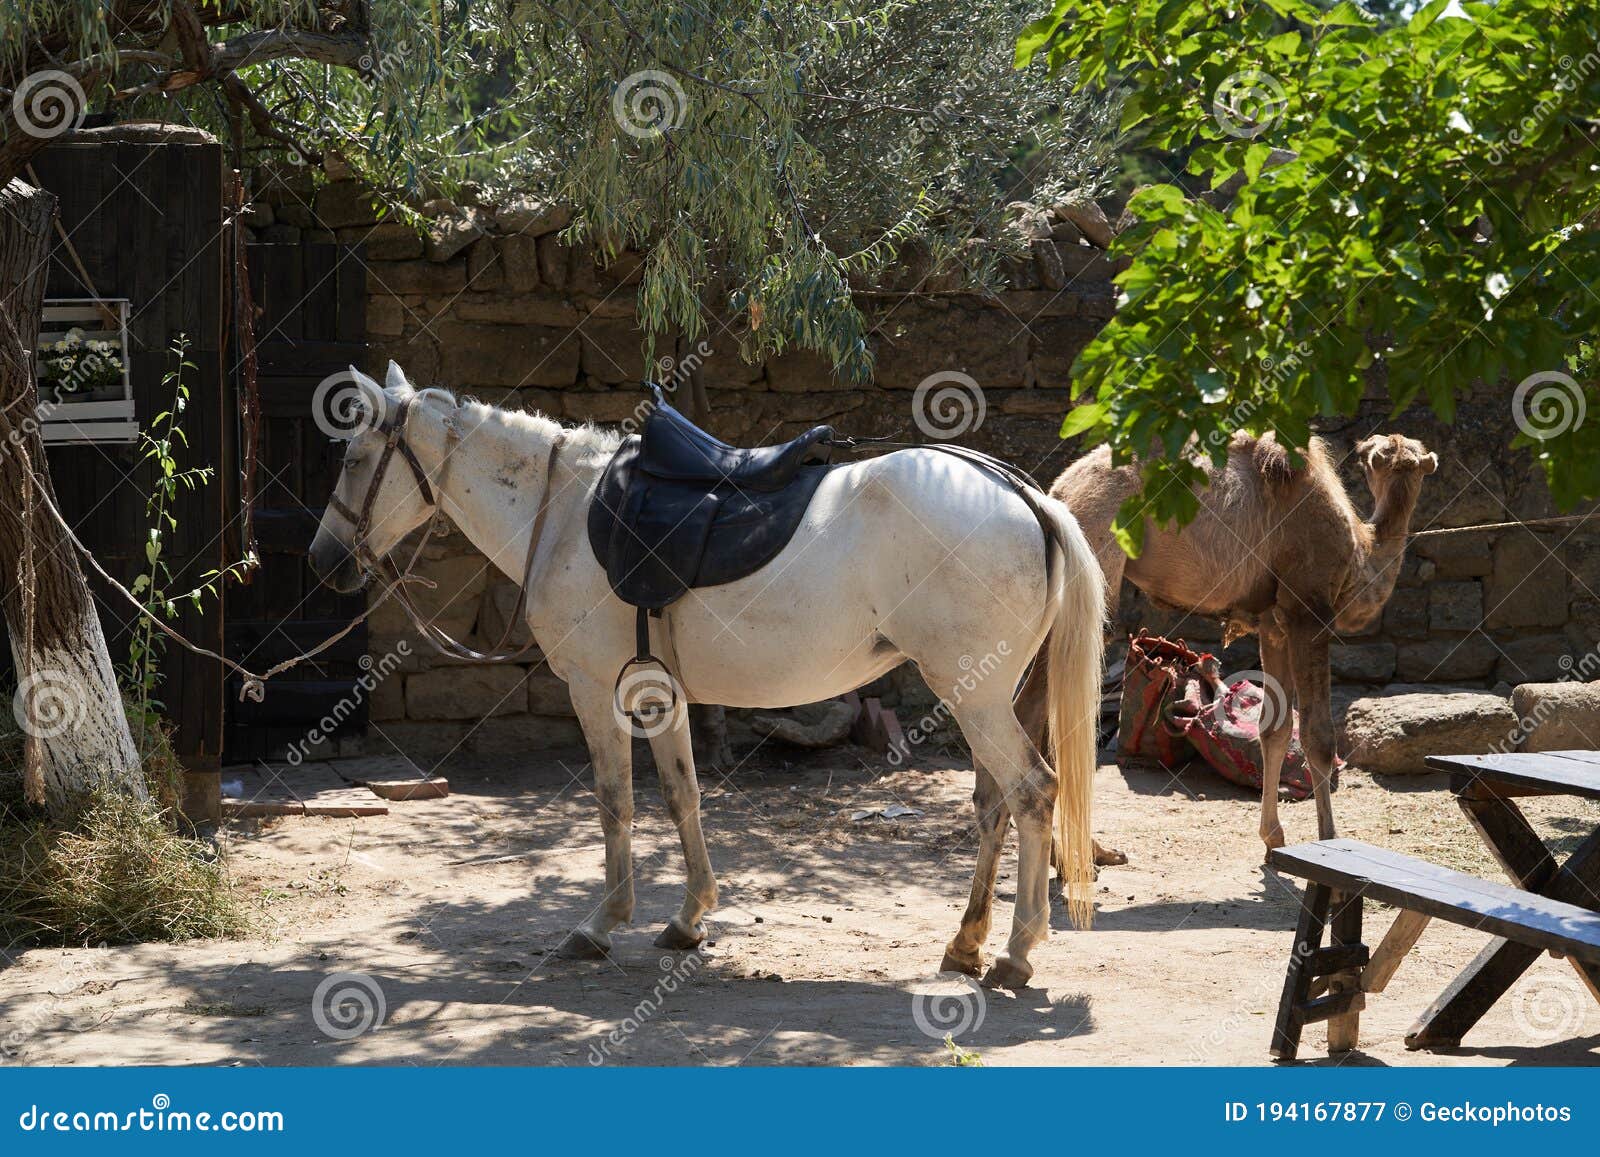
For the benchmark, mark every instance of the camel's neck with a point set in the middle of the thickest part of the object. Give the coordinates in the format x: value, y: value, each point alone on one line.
x: 1383, y: 541
x: 492, y: 479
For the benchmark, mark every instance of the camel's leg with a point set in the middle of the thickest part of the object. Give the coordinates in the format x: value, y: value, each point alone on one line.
x: 610, y: 751
x: 681, y: 789
x: 1308, y: 653
x: 965, y: 953
x: 1275, y: 737
x: 1027, y: 783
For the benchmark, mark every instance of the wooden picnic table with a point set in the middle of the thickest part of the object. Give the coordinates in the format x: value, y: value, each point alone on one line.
x: 1486, y: 787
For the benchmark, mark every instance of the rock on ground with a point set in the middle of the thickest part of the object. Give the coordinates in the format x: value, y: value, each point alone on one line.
x: 1391, y: 734
x: 1558, y: 716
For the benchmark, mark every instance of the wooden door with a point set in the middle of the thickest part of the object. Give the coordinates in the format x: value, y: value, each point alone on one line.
x: 311, y: 324
x: 144, y: 219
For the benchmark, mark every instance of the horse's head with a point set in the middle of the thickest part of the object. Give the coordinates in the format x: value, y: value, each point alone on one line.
x: 383, y: 492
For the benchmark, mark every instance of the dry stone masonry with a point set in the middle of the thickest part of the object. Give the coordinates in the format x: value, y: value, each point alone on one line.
x: 491, y: 302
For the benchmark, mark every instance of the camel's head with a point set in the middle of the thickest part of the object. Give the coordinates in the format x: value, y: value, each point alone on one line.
x: 1388, y: 458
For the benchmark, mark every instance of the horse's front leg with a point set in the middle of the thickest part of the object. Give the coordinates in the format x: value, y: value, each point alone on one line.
x: 610, y: 752
x: 681, y: 789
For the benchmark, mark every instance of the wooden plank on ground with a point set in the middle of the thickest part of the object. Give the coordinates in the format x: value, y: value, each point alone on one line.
x: 312, y: 789
x: 396, y: 780
x: 403, y: 790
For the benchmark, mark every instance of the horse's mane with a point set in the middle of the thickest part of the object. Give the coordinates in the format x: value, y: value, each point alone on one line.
x: 585, y: 436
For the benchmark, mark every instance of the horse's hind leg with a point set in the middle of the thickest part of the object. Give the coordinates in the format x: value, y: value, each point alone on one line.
x: 681, y: 789
x: 965, y: 953
x: 1033, y: 709
x: 1027, y: 785
x: 610, y: 751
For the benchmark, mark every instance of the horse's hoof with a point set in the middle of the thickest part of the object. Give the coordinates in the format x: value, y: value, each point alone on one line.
x: 581, y: 945
x: 1108, y: 857
x: 968, y: 965
x: 1004, y: 974
x: 675, y: 938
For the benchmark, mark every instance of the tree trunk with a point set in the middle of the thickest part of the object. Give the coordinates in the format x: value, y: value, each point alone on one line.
x: 67, y: 702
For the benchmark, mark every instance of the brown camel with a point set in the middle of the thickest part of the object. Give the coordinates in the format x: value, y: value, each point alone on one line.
x: 1275, y: 549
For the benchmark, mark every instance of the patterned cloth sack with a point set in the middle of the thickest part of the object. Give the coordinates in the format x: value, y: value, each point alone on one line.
x: 1176, y: 708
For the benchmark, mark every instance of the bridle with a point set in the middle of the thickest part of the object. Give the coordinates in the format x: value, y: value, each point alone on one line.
x: 393, y: 428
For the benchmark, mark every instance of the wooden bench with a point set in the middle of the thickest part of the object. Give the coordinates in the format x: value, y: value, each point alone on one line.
x: 1487, y: 788
x: 1331, y: 982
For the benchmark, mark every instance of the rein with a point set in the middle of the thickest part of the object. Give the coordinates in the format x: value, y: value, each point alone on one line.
x: 501, y: 652
x: 1020, y: 480
x: 394, y: 430
x: 397, y: 579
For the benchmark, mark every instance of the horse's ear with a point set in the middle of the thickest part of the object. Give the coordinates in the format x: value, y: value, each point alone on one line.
x: 372, y: 398
x: 395, y: 379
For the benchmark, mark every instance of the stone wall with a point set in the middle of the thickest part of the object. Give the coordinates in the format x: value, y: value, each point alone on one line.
x: 492, y: 304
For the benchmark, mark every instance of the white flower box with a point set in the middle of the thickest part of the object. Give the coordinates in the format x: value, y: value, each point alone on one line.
x: 84, y: 371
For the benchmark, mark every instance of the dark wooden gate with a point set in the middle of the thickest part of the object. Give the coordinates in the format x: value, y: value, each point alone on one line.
x: 311, y: 323
x: 145, y: 220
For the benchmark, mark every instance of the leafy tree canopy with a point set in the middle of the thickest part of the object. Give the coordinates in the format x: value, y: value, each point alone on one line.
x: 1416, y: 205
x: 763, y: 156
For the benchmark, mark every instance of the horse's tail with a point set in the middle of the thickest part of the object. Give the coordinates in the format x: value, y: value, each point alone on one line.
x: 1074, y: 673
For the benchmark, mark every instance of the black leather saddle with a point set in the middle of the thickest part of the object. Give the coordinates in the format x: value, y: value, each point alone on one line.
x: 677, y: 509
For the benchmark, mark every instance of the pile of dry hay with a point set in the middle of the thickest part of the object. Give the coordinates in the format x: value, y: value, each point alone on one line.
x: 116, y: 871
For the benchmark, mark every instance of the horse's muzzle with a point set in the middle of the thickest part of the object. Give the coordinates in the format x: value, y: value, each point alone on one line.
x: 336, y: 567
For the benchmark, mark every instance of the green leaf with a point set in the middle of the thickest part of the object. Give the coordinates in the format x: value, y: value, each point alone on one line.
x: 1254, y: 158
x: 1286, y: 45
x: 1128, y: 528
x: 1083, y: 418
x: 1039, y: 33
x: 1345, y: 15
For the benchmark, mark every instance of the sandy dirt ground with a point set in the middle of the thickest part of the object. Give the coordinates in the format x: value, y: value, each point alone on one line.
x: 824, y: 951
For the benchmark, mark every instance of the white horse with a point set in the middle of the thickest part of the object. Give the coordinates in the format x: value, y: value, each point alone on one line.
x: 912, y: 555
